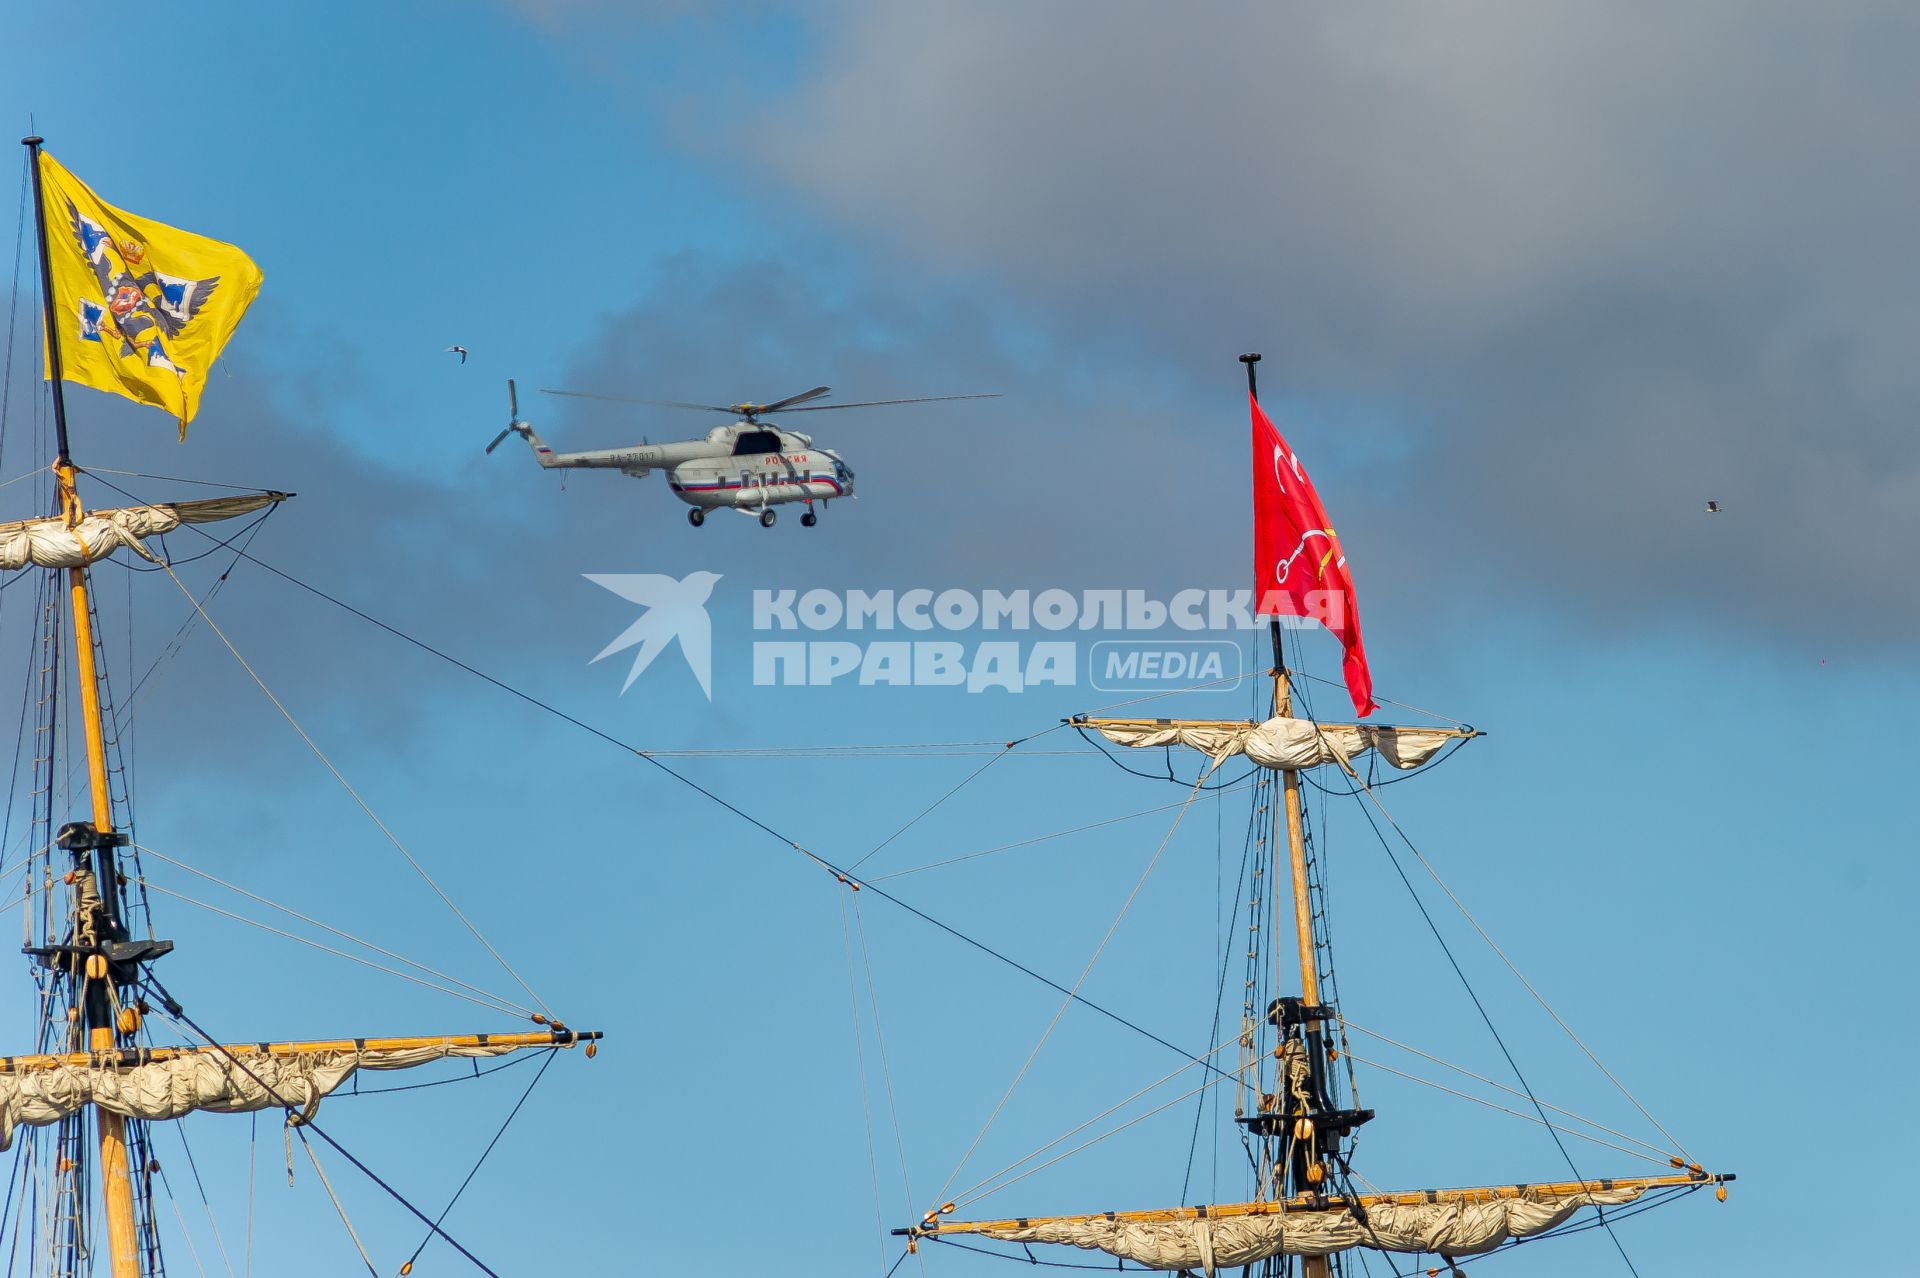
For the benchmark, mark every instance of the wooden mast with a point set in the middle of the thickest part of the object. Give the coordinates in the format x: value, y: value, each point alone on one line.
x: 1289, y: 812
x: 1296, y: 839
x: 116, y: 1187
x: 1311, y: 1266
x: 98, y: 997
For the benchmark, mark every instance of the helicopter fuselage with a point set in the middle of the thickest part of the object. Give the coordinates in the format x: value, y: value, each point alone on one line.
x: 746, y: 466
x: 754, y: 481
x: 749, y: 466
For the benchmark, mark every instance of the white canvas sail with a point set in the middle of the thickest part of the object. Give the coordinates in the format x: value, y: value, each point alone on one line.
x: 1283, y: 743
x: 205, y: 1080
x: 1453, y: 1227
x: 49, y: 542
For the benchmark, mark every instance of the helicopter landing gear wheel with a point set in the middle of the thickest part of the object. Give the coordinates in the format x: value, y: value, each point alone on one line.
x: 696, y: 516
x: 766, y: 519
x: 809, y: 519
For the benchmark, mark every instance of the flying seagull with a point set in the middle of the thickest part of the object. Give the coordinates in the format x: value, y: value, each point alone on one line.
x: 461, y: 351
x: 1713, y: 507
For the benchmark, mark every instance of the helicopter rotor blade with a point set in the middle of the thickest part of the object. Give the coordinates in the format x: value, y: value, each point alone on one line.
x: 877, y: 403
x: 628, y: 399
x: 513, y: 399
x: 801, y: 398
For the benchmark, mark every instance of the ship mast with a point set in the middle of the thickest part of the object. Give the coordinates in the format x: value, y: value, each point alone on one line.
x: 1297, y: 1209
x: 1287, y: 822
x: 1302, y: 1172
x: 92, y: 845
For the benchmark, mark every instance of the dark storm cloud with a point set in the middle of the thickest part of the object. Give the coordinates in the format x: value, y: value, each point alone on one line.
x: 1013, y: 491
x: 482, y: 556
x: 1571, y: 273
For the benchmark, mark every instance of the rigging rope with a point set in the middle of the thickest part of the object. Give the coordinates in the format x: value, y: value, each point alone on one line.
x: 1221, y: 931
x: 922, y: 814
x: 511, y: 1114
x: 180, y: 1130
x: 1474, y: 996
x: 1043, y: 838
x: 1121, y: 764
x: 1461, y: 1069
x: 193, y: 1252
x: 392, y: 838
x: 13, y: 303
x: 1087, y: 971
x: 1335, y: 683
x: 970, y: 1194
x: 1072, y: 994
x: 504, y: 1004
x: 327, y: 949
x: 358, y: 1091
x: 880, y: 1039
x: 860, y: 1060
x: 1084, y: 1145
x: 177, y: 1012
x: 351, y: 1231
x: 701, y: 790
x: 253, y: 1148
x: 1492, y: 945
x: 1659, y: 1159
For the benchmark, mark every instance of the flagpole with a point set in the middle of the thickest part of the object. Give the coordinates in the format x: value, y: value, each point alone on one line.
x: 1305, y: 1174
x: 32, y: 143
x: 99, y: 993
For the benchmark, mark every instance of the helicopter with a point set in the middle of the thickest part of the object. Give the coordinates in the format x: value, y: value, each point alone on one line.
x: 750, y: 466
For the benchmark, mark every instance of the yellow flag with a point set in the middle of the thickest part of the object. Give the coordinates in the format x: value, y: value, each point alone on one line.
x: 141, y: 309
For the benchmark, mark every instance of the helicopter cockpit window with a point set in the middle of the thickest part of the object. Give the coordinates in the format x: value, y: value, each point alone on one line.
x: 756, y: 441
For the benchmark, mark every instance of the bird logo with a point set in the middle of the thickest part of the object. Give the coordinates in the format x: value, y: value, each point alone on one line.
x: 675, y: 609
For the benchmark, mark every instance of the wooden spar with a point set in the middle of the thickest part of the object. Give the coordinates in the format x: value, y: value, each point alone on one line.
x: 1296, y: 843
x: 1316, y: 1203
x: 111, y: 1056
x: 1228, y: 725
x: 1312, y: 1266
x: 116, y: 1186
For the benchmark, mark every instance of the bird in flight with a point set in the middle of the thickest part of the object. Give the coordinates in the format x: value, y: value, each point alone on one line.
x: 461, y: 351
x: 1713, y: 507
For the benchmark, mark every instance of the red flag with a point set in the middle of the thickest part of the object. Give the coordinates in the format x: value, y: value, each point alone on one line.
x: 1299, y: 568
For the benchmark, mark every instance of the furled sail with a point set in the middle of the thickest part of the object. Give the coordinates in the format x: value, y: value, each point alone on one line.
x: 172, y: 1082
x: 1286, y: 743
x: 1447, y: 1222
x: 49, y: 542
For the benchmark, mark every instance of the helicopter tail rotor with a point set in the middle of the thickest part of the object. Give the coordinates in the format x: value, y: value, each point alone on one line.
x: 513, y: 422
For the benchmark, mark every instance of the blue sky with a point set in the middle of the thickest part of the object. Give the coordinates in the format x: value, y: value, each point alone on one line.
x: 1531, y: 287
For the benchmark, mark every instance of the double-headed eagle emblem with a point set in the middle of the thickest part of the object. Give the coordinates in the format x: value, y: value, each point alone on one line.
x: 140, y: 308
